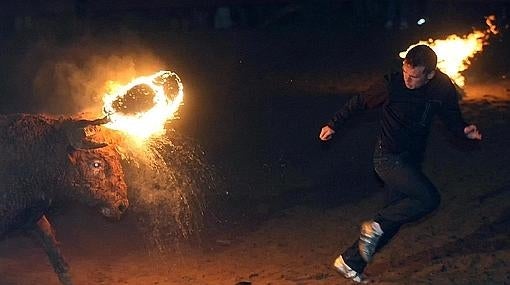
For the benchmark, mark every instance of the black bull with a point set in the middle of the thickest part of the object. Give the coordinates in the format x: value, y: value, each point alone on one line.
x: 45, y: 158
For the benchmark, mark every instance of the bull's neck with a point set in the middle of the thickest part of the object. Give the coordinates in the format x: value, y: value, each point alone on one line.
x: 53, y: 176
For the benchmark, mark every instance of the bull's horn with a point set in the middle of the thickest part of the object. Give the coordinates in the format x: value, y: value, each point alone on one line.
x: 96, y: 122
x: 101, y: 121
x: 77, y: 137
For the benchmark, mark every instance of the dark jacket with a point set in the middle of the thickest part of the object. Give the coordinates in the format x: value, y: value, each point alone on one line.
x: 407, y: 114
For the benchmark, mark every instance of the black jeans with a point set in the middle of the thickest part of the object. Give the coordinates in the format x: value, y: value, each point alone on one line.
x: 411, y: 196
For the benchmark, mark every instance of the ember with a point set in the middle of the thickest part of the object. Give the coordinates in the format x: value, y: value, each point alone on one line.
x: 454, y: 52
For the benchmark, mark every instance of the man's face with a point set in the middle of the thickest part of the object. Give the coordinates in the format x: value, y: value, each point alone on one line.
x: 415, y: 77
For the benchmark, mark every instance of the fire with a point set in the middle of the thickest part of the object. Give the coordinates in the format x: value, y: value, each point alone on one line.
x: 454, y: 52
x: 143, y: 106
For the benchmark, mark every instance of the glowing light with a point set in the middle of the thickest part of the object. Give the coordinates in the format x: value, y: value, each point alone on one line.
x: 143, y: 106
x: 454, y: 52
x: 421, y: 22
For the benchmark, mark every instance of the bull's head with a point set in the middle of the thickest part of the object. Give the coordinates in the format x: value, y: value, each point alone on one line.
x: 97, y: 172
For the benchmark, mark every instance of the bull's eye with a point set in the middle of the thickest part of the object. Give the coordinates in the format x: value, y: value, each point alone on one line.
x: 96, y: 164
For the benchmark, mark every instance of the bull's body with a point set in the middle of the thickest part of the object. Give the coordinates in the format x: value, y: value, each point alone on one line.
x: 43, y: 159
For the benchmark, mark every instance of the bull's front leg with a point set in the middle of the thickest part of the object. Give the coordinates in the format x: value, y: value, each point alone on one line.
x: 44, y: 231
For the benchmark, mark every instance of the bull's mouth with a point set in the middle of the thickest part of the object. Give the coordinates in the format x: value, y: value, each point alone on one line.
x: 109, y: 213
x: 115, y: 212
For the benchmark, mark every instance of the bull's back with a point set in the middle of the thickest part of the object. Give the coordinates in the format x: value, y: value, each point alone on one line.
x: 25, y: 129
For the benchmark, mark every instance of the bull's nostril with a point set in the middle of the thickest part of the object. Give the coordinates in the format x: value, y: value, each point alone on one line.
x: 122, y: 208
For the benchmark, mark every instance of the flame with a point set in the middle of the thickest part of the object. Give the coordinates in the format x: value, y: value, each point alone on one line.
x: 143, y: 106
x: 454, y: 52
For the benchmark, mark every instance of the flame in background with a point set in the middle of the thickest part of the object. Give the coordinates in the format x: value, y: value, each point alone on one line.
x: 143, y: 124
x: 454, y: 52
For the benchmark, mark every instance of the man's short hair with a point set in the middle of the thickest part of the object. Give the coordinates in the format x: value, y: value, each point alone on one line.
x: 422, y: 55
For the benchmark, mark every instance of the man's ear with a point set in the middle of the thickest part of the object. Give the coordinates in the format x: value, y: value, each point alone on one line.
x: 431, y: 74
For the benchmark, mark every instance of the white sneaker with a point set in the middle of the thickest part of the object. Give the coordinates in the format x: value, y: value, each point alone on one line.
x: 347, y: 272
x: 369, y: 238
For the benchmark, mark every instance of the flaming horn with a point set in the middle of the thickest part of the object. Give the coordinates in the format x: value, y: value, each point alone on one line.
x: 143, y: 106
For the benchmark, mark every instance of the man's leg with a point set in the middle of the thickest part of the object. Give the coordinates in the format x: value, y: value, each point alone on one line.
x: 351, y: 256
x: 410, y: 197
x: 414, y: 196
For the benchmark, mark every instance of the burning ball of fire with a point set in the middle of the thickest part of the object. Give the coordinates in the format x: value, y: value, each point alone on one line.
x: 454, y: 52
x: 142, y: 107
x: 138, y: 99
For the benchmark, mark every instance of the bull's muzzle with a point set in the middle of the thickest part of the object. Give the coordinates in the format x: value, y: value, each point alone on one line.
x: 116, y: 211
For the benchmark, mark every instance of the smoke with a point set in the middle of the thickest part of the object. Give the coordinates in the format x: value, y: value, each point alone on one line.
x: 72, y: 78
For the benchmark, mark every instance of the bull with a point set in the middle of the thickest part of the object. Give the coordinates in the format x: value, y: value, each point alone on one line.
x: 45, y: 158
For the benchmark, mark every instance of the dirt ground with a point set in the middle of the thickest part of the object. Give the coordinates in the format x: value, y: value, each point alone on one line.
x: 290, y: 204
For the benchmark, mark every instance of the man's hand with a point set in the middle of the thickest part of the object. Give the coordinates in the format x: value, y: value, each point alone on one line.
x: 326, y: 133
x: 472, y: 132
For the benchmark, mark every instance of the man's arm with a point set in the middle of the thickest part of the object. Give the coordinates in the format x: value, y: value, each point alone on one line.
x: 373, y: 97
x: 452, y: 117
x: 472, y: 132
